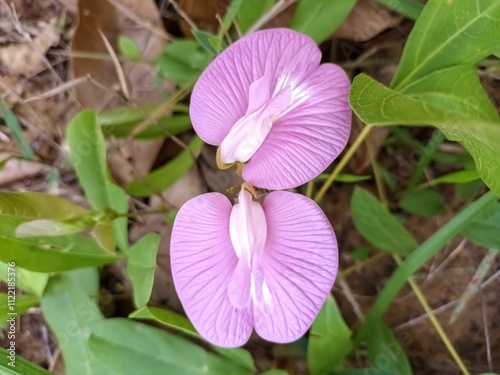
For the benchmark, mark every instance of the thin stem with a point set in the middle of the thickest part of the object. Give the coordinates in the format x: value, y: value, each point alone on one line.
x: 435, y: 322
x: 343, y: 162
x: 309, y: 189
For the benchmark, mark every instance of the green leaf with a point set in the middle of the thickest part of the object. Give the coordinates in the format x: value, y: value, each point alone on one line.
x: 120, y: 121
x: 160, y: 352
x: 408, y: 8
x: 129, y: 48
x: 439, y: 40
x: 386, y: 353
x: 239, y: 356
x: 31, y: 282
x: 360, y: 253
x: 378, y: 226
x: 165, y: 127
x: 167, y: 318
x: 20, y: 304
x: 329, y: 340
x: 423, y: 202
x: 32, y: 206
x: 22, y: 366
x: 14, y: 126
x: 88, y: 154
x: 229, y: 17
x: 162, y: 178
x: 141, y: 266
x: 460, y: 177
x: 208, y: 41
x: 451, y: 88
x: 69, y: 312
x: 182, y: 324
x: 251, y: 11
x: 484, y: 230
x: 43, y: 227
x: 32, y: 257
x: 376, y: 104
x: 182, y: 61
x: 320, y: 18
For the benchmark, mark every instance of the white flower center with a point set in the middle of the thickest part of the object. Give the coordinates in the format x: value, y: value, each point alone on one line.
x: 250, y: 131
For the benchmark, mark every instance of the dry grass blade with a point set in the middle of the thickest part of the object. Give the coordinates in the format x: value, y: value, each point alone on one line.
x: 58, y: 90
x: 118, y: 67
x: 483, y: 269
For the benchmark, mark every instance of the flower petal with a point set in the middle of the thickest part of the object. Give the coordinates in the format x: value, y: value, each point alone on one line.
x: 299, y: 265
x: 221, y: 95
x: 303, y: 143
x: 203, y: 262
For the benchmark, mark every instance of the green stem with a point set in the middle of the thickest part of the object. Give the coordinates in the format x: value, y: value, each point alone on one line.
x: 343, y: 162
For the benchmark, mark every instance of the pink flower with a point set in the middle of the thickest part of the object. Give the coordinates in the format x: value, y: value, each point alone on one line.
x: 267, y: 102
x: 268, y: 267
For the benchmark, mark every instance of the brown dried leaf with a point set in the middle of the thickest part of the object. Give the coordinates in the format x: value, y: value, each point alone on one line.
x: 367, y: 19
x: 140, y: 21
x: 28, y: 58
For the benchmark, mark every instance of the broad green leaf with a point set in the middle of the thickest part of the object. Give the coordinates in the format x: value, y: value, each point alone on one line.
x: 158, y: 351
x: 182, y: 61
x: 485, y: 230
x: 44, y: 227
x: 408, y: 8
x: 378, y: 226
x: 251, y: 11
x: 457, y: 89
x: 376, y: 104
x: 88, y: 155
x: 141, y: 266
x: 129, y: 48
x: 162, y: 178
x: 22, y: 366
x: 423, y: 202
x: 446, y: 34
x: 320, y: 18
x: 104, y: 235
x: 329, y: 340
x: 69, y: 312
x: 20, y: 304
x: 167, y: 318
x: 16, y: 130
x: 460, y: 177
x: 32, y: 206
x: 32, y: 257
x: 182, y: 324
x: 386, y: 353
